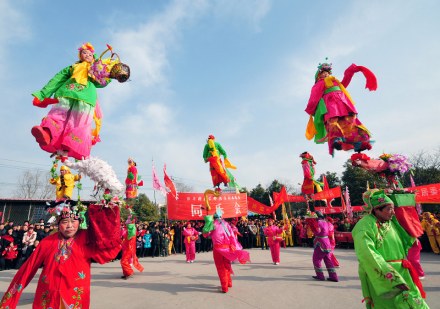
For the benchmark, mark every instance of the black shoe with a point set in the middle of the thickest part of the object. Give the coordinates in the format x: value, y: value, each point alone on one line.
x: 331, y: 279
x: 317, y: 278
x: 125, y: 277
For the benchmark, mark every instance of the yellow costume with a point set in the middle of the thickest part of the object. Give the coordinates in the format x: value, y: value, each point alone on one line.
x: 432, y: 228
x: 64, y: 183
x: 171, y: 244
x: 289, y: 239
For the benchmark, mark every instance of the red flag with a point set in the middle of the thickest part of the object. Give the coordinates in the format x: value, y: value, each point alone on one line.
x: 169, y: 183
x: 281, y: 197
x: 324, y: 180
x: 327, y: 187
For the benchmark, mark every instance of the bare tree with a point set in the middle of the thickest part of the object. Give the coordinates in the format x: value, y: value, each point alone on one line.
x: 34, y: 185
x: 182, y: 187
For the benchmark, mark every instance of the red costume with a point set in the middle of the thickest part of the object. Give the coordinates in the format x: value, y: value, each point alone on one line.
x: 212, y: 153
x: 131, y: 180
x: 65, y: 279
x: 129, y: 253
x: 10, y: 252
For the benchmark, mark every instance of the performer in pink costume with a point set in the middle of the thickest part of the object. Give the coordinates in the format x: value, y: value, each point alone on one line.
x: 274, y: 238
x: 226, y: 248
x: 333, y: 116
x: 191, y: 235
x: 331, y: 237
x: 322, y: 249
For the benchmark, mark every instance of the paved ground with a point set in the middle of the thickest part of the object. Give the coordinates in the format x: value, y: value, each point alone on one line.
x: 170, y: 283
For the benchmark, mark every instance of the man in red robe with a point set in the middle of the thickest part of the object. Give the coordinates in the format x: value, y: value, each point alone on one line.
x: 65, y: 257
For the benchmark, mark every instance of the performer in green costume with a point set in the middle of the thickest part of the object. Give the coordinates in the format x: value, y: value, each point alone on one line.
x: 388, y: 280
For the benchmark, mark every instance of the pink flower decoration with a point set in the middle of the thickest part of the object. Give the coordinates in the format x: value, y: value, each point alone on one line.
x: 389, y: 276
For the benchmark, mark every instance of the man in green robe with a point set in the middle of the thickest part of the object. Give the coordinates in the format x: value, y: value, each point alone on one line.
x: 381, y: 246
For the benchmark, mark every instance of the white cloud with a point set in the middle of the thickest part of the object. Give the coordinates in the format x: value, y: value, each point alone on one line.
x: 146, y: 47
x: 252, y: 11
x: 13, y: 25
x: 13, y: 29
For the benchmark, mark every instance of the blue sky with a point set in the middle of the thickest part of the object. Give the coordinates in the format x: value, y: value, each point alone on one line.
x: 240, y: 70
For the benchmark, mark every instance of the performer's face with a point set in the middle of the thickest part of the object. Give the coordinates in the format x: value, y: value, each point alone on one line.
x: 323, y: 74
x: 385, y: 214
x: 68, y: 227
x: 86, y: 55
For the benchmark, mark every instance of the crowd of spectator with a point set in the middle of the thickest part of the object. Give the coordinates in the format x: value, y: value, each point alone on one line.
x: 161, y: 239
x: 17, y: 242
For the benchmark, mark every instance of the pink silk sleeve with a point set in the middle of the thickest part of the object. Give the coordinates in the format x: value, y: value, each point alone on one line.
x: 316, y: 94
x: 306, y: 171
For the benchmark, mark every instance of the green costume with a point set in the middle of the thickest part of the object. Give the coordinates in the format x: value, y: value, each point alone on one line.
x: 380, y: 248
x: 62, y: 85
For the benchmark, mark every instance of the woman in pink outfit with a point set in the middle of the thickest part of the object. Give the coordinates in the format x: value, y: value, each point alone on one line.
x: 190, y: 236
x: 273, y: 234
x: 226, y: 248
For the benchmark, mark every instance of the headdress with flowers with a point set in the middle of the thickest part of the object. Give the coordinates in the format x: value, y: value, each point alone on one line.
x: 85, y: 46
x: 64, y: 209
x: 398, y: 164
x: 323, y: 67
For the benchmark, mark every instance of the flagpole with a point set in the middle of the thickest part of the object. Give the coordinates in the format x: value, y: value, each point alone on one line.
x: 154, y: 190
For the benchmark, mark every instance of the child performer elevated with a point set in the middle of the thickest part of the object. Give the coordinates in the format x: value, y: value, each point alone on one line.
x: 65, y: 257
x: 67, y: 128
x: 212, y: 153
x: 226, y: 248
x: 333, y: 116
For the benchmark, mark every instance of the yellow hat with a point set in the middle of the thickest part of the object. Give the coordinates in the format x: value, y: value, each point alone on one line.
x: 65, y: 168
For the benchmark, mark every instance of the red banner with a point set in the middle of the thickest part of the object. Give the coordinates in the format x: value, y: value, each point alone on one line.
x: 323, y: 195
x: 259, y: 208
x: 338, y: 209
x: 191, y: 206
x: 327, y: 194
x: 290, y: 198
x: 428, y: 194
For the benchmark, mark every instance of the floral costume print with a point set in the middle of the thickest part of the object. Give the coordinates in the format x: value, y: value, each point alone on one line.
x: 69, y: 121
x: 131, y: 184
x: 381, y: 249
x: 65, y: 277
x: 334, y: 114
